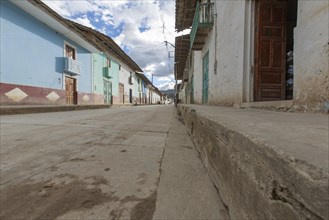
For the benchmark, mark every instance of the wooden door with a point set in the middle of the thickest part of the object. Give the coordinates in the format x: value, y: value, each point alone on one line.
x: 121, y: 93
x: 205, y: 79
x: 70, y: 90
x: 270, y: 50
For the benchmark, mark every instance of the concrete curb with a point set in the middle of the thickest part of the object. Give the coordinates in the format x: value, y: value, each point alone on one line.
x: 255, y: 180
x: 13, y: 110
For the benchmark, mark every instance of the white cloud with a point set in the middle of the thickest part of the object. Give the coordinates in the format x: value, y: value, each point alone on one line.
x: 147, y: 49
x: 85, y: 21
x: 166, y: 86
x: 164, y: 79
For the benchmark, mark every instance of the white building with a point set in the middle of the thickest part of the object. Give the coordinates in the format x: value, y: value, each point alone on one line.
x: 249, y: 52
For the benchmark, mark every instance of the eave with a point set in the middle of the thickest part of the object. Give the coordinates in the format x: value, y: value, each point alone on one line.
x: 185, y: 10
x: 182, y: 49
x: 43, y: 13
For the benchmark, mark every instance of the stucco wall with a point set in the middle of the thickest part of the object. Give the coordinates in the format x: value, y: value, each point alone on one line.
x: 197, y: 71
x: 115, y: 78
x: 225, y: 78
x: 32, y: 53
x: 98, y: 64
x: 311, y: 55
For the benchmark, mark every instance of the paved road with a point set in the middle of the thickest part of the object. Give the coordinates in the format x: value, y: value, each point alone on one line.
x: 120, y: 163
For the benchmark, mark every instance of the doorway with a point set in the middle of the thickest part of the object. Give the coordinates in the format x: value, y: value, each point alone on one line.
x: 107, y: 92
x: 275, y: 21
x: 70, y: 90
x: 130, y: 96
x: 121, y: 93
x: 205, y: 79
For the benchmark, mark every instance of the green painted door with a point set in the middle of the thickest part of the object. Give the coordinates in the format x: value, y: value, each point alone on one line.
x: 192, y: 90
x: 205, y: 79
x: 107, y: 92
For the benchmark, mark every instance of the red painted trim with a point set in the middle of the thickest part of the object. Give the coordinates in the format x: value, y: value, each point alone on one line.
x: 37, y: 96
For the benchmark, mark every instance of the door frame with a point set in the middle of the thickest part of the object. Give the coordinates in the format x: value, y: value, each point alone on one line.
x: 75, y: 92
x: 256, y: 84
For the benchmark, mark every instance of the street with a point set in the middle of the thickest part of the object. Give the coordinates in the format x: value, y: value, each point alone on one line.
x: 118, y: 163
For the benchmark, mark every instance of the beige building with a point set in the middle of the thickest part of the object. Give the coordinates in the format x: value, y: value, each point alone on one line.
x: 254, y: 53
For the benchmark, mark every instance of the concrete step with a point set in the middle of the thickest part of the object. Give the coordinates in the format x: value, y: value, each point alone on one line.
x: 265, y: 164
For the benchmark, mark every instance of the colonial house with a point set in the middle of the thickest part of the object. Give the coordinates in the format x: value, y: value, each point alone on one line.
x: 114, y: 72
x: 143, y: 90
x: 46, y: 59
x: 42, y: 60
x: 259, y: 53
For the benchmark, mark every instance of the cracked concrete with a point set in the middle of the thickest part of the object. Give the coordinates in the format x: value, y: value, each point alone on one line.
x: 266, y: 165
x: 122, y: 163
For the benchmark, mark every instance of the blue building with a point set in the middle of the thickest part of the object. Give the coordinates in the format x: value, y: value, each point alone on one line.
x: 43, y: 60
x: 46, y: 59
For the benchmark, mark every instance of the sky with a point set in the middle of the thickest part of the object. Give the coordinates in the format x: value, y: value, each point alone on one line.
x: 139, y: 27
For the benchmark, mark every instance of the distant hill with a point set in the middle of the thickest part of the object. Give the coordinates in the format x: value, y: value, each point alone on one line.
x: 170, y: 93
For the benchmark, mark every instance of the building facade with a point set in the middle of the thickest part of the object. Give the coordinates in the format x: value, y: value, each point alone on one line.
x: 254, y: 52
x: 46, y: 59
x: 41, y: 61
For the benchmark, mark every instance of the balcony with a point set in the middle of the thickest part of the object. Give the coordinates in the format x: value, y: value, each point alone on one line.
x: 71, y: 66
x: 107, y: 72
x: 202, y: 24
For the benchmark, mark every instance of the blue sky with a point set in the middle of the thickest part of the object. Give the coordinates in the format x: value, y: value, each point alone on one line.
x: 138, y: 27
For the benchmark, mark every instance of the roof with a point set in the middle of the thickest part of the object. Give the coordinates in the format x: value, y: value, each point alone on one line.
x: 101, y: 41
x: 104, y: 43
x: 182, y: 47
x: 144, y: 78
x: 185, y: 10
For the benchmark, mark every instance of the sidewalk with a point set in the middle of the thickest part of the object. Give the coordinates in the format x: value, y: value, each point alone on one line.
x: 265, y: 164
x: 27, y: 109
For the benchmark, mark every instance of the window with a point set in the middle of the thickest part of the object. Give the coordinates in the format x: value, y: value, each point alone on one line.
x: 108, y: 63
x: 70, y: 52
x: 119, y: 67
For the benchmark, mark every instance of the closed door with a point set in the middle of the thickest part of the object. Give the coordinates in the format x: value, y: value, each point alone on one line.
x: 270, y: 50
x: 107, y: 92
x: 205, y: 79
x: 130, y: 96
x: 70, y: 90
x: 121, y: 93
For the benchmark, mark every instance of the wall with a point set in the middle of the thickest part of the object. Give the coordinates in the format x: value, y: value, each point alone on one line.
x: 99, y: 62
x: 226, y: 56
x: 311, y: 56
x: 114, y: 73
x: 197, y: 71
x: 225, y: 79
x: 32, y: 54
x: 124, y: 74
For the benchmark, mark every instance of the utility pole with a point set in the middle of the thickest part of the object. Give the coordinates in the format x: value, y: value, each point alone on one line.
x: 175, y: 70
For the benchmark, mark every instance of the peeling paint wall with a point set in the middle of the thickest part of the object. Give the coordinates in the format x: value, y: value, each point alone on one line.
x: 225, y: 55
x: 311, y: 56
